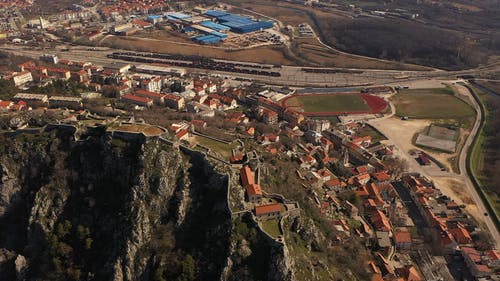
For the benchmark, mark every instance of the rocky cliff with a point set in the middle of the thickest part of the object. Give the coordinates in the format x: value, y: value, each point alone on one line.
x: 104, y: 208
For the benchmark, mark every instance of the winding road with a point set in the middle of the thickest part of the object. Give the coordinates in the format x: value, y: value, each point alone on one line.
x: 463, y: 177
x: 294, y: 76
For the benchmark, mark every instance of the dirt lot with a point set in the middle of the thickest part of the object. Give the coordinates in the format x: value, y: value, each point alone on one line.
x: 270, y: 55
x: 402, y: 132
x: 165, y: 35
x: 456, y: 190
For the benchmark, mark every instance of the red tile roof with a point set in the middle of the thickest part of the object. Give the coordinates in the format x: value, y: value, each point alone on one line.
x: 375, y: 193
x: 266, y: 209
x: 332, y: 183
x: 197, y: 122
x: 5, y: 104
x: 136, y: 98
x: 493, y: 254
x: 380, y: 221
x: 410, y: 273
x: 181, y: 134
x: 461, y: 235
x: 253, y: 189
x: 141, y: 23
x: 172, y: 97
x: 402, y: 237
x: 81, y: 72
x: 483, y: 268
x: 381, y: 176
x: 246, y: 176
x: 149, y: 94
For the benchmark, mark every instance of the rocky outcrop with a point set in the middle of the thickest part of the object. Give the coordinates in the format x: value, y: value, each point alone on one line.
x: 281, y: 263
x: 105, y: 208
x: 308, y: 231
x: 91, y: 207
x: 254, y: 255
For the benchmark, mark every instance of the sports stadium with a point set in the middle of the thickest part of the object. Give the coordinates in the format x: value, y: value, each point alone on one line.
x: 334, y: 104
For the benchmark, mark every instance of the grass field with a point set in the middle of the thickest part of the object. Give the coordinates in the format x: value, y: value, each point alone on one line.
x: 223, y: 149
x: 431, y: 104
x: 272, y: 228
x: 329, y: 103
x: 146, y: 129
x: 270, y: 55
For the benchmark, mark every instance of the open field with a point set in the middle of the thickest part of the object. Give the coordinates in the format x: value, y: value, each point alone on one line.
x: 223, y: 149
x: 491, y: 85
x: 148, y: 130
x: 271, y: 227
x: 270, y: 55
x: 164, y: 35
x: 311, y: 50
x: 432, y: 104
x: 305, y: 52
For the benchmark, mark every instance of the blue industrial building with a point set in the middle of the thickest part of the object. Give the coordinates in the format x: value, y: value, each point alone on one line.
x: 238, y: 23
x: 177, y: 16
x: 207, y: 39
x: 215, y: 26
x: 219, y: 34
x: 154, y: 19
x: 215, y: 13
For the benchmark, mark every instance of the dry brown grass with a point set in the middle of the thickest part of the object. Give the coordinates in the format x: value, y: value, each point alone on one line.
x: 307, y: 51
x: 271, y: 55
x: 164, y: 35
x: 492, y: 85
x: 309, y: 48
x: 465, y: 7
x: 146, y: 129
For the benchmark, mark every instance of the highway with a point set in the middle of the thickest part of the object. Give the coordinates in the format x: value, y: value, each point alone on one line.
x: 290, y: 75
x: 467, y: 178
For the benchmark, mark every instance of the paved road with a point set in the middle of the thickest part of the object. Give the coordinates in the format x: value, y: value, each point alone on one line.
x: 410, y: 205
x: 463, y: 176
x: 463, y: 171
x: 293, y: 76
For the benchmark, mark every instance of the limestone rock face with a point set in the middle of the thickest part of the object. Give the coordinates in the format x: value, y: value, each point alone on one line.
x: 21, y: 267
x: 118, y: 208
